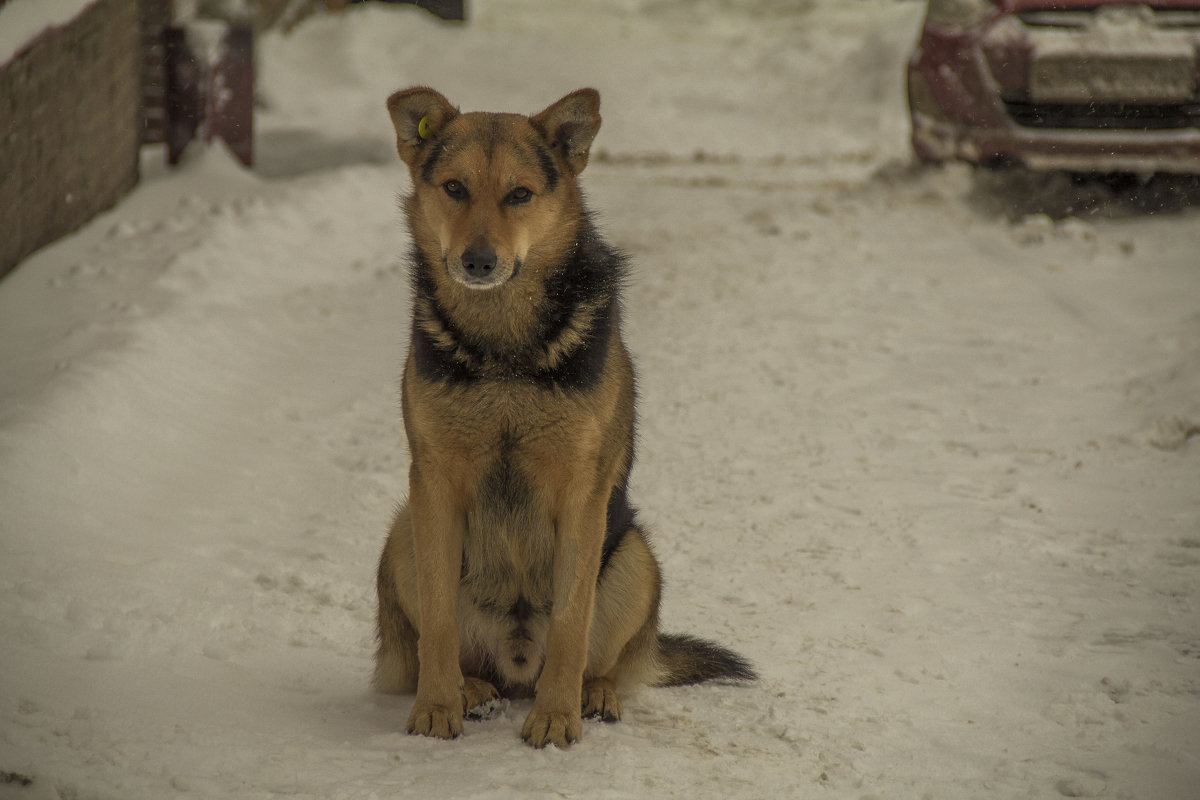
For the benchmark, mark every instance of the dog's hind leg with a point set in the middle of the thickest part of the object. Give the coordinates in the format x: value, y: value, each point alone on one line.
x: 624, y: 634
x: 396, y: 665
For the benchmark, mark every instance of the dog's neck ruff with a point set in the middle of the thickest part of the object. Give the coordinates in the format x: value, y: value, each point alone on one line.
x: 564, y: 347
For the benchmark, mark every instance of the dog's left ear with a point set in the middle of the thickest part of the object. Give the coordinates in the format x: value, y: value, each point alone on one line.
x: 570, y: 125
x: 418, y: 115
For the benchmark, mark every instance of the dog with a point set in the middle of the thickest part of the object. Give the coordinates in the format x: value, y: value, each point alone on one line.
x: 517, y: 567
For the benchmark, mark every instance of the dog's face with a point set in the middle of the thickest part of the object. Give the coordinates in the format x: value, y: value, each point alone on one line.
x: 494, y: 195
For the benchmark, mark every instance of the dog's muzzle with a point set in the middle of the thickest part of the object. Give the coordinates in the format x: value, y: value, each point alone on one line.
x: 480, y: 268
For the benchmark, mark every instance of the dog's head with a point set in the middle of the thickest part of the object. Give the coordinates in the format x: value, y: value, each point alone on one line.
x: 493, y: 194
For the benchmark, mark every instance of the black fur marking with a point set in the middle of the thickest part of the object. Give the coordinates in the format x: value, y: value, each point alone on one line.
x: 582, y: 367
x: 689, y: 660
x: 436, y: 363
x: 621, y: 517
x: 493, y: 138
x: 494, y: 607
x: 592, y: 274
x: 505, y: 487
x: 429, y: 166
x: 521, y: 610
x: 549, y: 170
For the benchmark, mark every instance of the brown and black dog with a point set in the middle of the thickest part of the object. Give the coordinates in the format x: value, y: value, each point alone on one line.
x: 517, y: 566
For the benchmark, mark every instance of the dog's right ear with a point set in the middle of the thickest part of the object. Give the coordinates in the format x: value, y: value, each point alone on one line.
x: 418, y: 114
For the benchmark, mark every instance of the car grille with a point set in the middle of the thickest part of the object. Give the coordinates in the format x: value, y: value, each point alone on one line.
x: 1121, y: 116
x: 1146, y: 89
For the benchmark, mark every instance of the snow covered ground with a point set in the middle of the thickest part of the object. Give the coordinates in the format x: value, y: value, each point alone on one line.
x: 926, y: 456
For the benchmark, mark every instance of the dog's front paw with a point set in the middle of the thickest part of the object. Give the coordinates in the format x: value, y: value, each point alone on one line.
x: 440, y: 721
x: 559, y: 728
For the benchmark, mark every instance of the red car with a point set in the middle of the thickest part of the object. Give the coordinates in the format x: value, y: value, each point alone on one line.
x: 1078, y: 85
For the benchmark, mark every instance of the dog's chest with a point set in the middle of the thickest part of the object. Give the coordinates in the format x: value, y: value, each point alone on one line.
x: 508, y: 549
x: 515, y: 448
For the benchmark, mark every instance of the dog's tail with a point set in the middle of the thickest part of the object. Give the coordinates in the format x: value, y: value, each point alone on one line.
x: 684, y: 660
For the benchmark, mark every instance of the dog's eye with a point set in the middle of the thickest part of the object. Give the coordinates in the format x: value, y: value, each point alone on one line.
x: 518, y: 196
x: 455, y: 189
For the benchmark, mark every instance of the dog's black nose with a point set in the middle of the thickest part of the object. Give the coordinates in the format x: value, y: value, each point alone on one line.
x: 478, y: 262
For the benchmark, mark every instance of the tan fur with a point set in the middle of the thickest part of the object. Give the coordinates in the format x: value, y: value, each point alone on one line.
x: 491, y: 573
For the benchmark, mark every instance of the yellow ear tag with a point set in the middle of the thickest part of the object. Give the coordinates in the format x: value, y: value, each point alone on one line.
x: 423, y: 128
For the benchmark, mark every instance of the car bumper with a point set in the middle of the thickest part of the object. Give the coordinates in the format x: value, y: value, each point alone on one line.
x: 1010, y: 92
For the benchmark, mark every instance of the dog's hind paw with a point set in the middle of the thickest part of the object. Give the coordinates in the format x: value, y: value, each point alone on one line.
x: 487, y: 710
x: 477, y: 691
x: 600, y: 700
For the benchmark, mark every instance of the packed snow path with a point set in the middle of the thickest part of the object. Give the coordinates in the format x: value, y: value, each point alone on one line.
x: 927, y: 457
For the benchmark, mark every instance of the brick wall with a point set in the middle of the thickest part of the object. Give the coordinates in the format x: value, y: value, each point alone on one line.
x: 70, y: 127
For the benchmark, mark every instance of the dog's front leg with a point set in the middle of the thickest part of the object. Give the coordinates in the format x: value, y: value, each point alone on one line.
x: 437, y: 545
x: 579, y: 535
